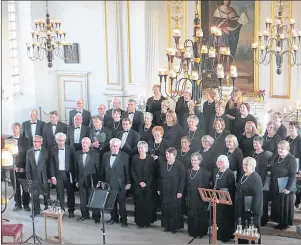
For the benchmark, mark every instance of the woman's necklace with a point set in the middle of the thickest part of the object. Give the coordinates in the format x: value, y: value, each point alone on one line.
x: 156, y: 101
x: 257, y: 154
x: 145, y: 130
x: 185, y: 153
x: 194, y: 174
x: 117, y: 126
x: 290, y: 142
x: 229, y: 155
x: 243, y: 181
x: 281, y: 160
x: 191, y: 138
x: 167, y: 167
x: 157, y: 144
x: 268, y: 140
x: 220, y: 176
x: 217, y: 137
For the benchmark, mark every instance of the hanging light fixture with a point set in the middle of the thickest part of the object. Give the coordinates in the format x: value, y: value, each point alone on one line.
x: 48, y: 40
x: 203, y: 62
x: 278, y: 40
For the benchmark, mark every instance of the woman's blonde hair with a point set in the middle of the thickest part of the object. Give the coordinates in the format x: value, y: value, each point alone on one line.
x: 285, y: 144
x: 233, y: 138
x: 166, y: 103
x: 238, y: 92
x: 250, y: 161
x: 173, y: 115
x: 211, y: 92
x: 254, y: 129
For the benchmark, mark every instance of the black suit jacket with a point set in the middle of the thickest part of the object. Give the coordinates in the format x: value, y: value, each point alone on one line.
x: 69, y: 160
x: 108, y: 134
x: 85, y: 114
x: 130, y: 146
x: 23, y: 146
x: 26, y: 130
x: 37, y: 171
x: 49, y: 137
x: 117, y: 176
x: 84, y: 132
x: 109, y: 113
x: 87, y: 175
x: 138, y: 119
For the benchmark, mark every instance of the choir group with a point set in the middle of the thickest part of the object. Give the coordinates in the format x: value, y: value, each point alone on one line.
x: 161, y: 158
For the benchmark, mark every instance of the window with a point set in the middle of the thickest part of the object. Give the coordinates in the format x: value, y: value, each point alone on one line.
x: 13, y: 45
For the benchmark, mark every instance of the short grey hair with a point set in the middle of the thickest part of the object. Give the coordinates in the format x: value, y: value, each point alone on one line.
x: 132, y: 101
x: 198, y: 156
x: 285, y: 144
x: 208, y: 138
x: 194, y: 118
x: 115, y: 141
x: 38, y: 136
x: 34, y: 110
x: 233, y: 138
x: 78, y: 115
x: 225, y: 160
x: 148, y: 114
x: 87, y: 138
x: 250, y: 161
x: 143, y: 144
x: 58, y: 135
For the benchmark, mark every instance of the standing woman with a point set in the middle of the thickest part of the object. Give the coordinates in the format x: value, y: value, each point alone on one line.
x: 161, y: 120
x: 153, y: 104
x: 184, y: 154
x: 171, y: 186
x: 271, y: 140
x: 246, y: 140
x: 209, y: 156
x: 280, y: 129
x: 249, y: 193
x: 182, y: 109
x: 283, y: 200
x: 194, y: 132
x: 219, y: 113
x: 225, y: 180
x: 193, y: 111
x: 219, y: 135
x: 142, y: 174
x: 295, y: 149
x: 145, y: 130
x: 232, y: 108
x: 209, y: 109
x: 197, y: 177
x: 172, y: 131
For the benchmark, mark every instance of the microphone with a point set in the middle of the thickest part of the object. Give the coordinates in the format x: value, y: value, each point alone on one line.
x: 216, y: 178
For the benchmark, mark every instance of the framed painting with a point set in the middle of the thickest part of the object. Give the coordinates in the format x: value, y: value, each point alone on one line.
x: 239, y: 23
x: 74, y: 57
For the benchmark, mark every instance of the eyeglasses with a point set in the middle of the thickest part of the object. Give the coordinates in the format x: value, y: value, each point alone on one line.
x: 37, y: 141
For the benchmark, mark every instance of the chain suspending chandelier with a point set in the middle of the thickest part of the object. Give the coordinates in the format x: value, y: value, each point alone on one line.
x: 48, y: 40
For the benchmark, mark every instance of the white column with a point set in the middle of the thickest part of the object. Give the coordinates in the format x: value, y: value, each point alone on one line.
x: 152, y: 30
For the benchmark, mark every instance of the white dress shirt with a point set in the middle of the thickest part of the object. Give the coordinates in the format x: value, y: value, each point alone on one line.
x: 37, y: 155
x: 112, y: 159
x: 84, y: 158
x: 62, y: 166
x: 54, y: 128
x: 33, y: 128
x: 77, y: 135
x: 123, y: 139
x: 131, y: 116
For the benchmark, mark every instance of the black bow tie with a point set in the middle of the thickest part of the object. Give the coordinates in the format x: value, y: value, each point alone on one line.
x: 33, y: 123
x: 97, y: 130
x: 131, y: 113
x: 79, y: 112
x: 77, y: 128
x: 125, y: 131
x: 113, y: 155
x: 85, y: 152
x: 61, y: 149
x: 16, y: 138
x: 37, y: 150
x: 53, y: 125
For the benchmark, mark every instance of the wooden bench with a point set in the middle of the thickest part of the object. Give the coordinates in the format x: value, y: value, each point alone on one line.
x: 12, y: 230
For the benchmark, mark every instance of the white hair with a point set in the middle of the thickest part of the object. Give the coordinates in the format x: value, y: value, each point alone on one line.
x: 148, y: 114
x: 143, y: 144
x: 58, y: 135
x: 115, y: 141
x: 38, y: 136
x: 225, y: 160
x: 87, y: 138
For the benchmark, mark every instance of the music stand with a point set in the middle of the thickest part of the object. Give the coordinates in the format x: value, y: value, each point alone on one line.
x: 103, y: 200
x: 34, y: 188
x: 214, y: 197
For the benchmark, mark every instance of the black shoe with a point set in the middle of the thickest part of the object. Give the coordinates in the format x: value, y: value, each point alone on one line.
x: 17, y: 208
x: 125, y: 224
x: 278, y: 227
x: 166, y: 230
x: 81, y: 218
x: 97, y: 221
x: 284, y: 227
x: 27, y: 208
x: 71, y: 214
x: 174, y: 232
x: 297, y: 205
x: 111, y: 222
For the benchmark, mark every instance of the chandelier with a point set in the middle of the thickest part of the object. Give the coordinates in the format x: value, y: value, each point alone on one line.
x: 203, y: 62
x: 48, y: 40
x: 277, y: 40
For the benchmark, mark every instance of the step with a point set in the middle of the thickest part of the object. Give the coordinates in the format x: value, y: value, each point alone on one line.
x: 266, y: 230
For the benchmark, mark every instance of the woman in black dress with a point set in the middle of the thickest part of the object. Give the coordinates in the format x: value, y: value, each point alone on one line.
x: 263, y: 168
x: 171, y: 186
x: 248, y: 197
x: 194, y: 132
x: 241, y: 120
x: 153, y: 104
x: 184, y: 154
x: 271, y: 140
x: 197, y: 177
x: 145, y: 130
x: 219, y: 135
x: 234, y: 154
x: 284, y: 165
x: 194, y: 112
x: 116, y: 124
x: 232, y: 108
x: 182, y: 109
x: 225, y: 180
x: 295, y: 149
x: 280, y: 129
x: 246, y: 140
x: 209, y: 156
x: 219, y: 114
x: 209, y: 109
x: 142, y: 174
x: 172, y: 131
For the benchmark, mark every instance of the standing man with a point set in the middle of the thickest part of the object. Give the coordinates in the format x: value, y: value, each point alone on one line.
x: 102, y: 113
x: 116, y: 105
x: 51, y: 128
x: 136, y: 117
x: 115, y: 172
x: 37, y: 166
x: 20, y: 166
x: 62, y: 171
x: 86, y: 115
x: 32, y: 127
x: 86, y: 177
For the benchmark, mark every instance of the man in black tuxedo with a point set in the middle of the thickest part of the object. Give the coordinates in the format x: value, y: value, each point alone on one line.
x: 116, y: 105
x: 100, y: 135
x: 37, y: 169
x: 77, y: 132
x: 86, y: 177
x: 19, y: 170
x: 80, y: 110
x: 62, y: 171
x: 136, y: 117
x: 115, y: 172
x: 104, y: 117
x: 129, y: 138
x: 51, y: 128
x: 32, y: 127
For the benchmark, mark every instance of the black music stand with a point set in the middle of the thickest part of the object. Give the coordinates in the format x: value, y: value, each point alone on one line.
x: 103, y: 200
x: 34, y: 188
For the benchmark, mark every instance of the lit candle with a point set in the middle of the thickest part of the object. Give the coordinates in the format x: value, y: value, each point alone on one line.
x: 268, y: 21
x: 254, y: 45
x: 212, y: 52
x: 176, y: 32
x: 218, y: 32
x: 278, y: 22
x: 187, y: 55
x: 194, y: 75
x: 213, y: 29
x: 167, y: 51
x: 295, y: 47
x: 233, y: 71
x: 292, y: 21
x: 37, y: 22
x: 199, y: 33
x: 222, y: 50
x: 48, y: 33
x: 266, y: 33
x: 259, y: 34
x: 282, y: 36
x: 162, y: 72
x: 262, y: 47
x: 172, y: 52
x: 294, y: 33
x: 58, y: 21
x: 204, y: 49
x: 28, y: 45
x: 181, y: 47
x: 284, y: 110
x: 172, y: 74
x: 219, y: 68
x: 299, y: 33
x: 227, y: 51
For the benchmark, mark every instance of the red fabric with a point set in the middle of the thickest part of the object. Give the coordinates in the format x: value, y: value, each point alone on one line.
x: 14, y: 230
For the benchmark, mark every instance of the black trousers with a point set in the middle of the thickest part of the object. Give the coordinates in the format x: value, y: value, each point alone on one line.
x: 36, y: 197
x: 63, y: 182
x: 23, y: 198
x: 84, y: 194
x: 121, y: 200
